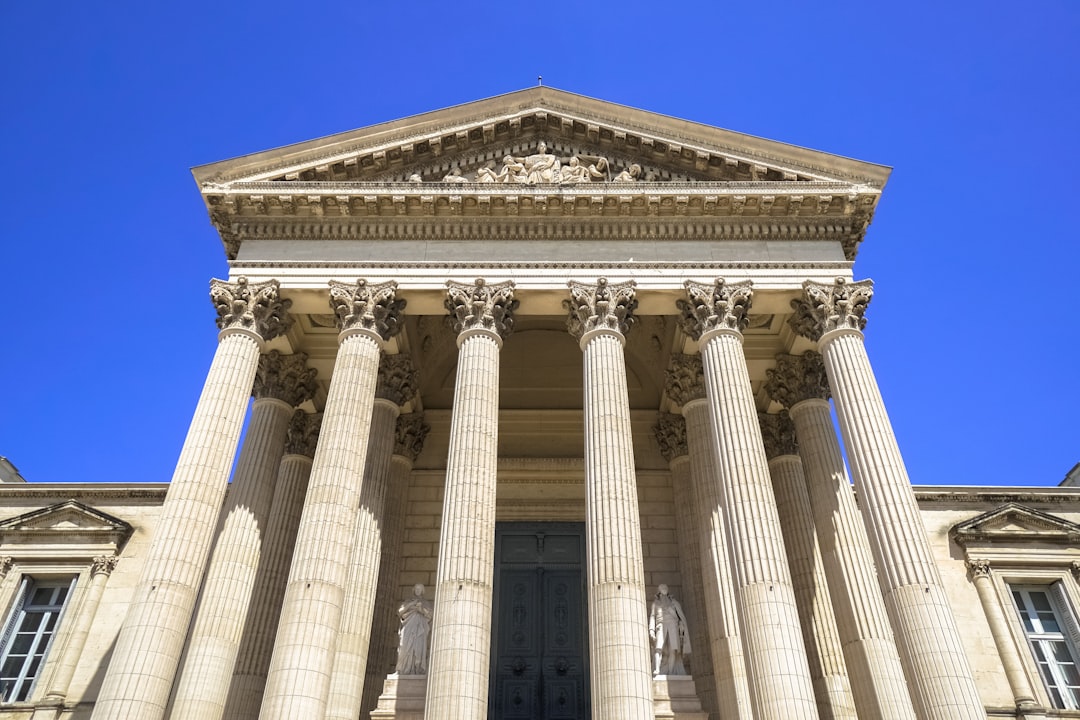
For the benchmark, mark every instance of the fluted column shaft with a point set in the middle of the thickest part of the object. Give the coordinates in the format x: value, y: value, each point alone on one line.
x: 778, y: 673
x: 461, y: 629
x: 824, y: 650
x: 147, y: 650
x: 84, y: 621
x: 257, y: 644
x: 729, y: 666
x: 943, y: 687
x: 230, y: 578
x: 618, y: 615
x: 877, y: 677
x: 350, y: 662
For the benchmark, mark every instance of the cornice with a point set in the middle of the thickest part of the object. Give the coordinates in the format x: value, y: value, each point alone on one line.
x: 103, y: 491
x: 927, y: 494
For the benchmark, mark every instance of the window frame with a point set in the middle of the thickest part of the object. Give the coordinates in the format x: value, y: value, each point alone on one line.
x: 1041, y: 641
x: 28, y: 583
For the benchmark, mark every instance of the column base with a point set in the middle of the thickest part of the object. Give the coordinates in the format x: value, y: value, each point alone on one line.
x: 403, y: 698
x: 675, y: 698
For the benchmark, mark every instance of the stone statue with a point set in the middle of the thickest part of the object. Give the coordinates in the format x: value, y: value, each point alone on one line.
x: 486, y: 174
x: 574, y: 172
x: 669, y: 634
x: 455, y: 176
x: 541, y: 167
x: 512, y: 171
x: 630, y: 174
x: 415, y: 614
x: 415, y: 178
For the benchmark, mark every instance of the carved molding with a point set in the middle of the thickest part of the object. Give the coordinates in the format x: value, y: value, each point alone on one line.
x: 684, y: 379
x: 830, y: 307
x: 670, y: 431
x: 398, y: 381
x: 797, y: 378
x: 255, y: 307
x: 303, y: 435
x: 978, y: 567
x: 285, y: 377
x: 409, y: 434
x: 721, y: 305
x: 482, y: 306
x: 104, y: 564
x: 778, y: 434
x: 363, y: 306
x: 603, y: 305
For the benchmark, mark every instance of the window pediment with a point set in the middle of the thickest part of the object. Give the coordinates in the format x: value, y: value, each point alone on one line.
x: 1014, y: 523
x: 66, y: 528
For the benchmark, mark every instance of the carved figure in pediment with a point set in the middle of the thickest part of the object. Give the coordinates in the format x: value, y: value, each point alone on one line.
x: 542, y: 167
x: 455, y: 176
x: 630, y: 174
x: 487, y: 174
x: 574, y: 171
x: 512, y: 171
x: 415, y: 178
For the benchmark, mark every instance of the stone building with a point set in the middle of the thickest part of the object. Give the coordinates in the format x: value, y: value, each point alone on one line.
x: 541, y: 355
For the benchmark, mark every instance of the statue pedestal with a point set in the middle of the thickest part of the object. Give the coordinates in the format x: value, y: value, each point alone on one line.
x: 402, y: 698
x: 675, y: 698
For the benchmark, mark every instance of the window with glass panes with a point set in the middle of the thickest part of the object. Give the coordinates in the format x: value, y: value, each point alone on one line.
x: 29, y: 633
x: 1053, y: 634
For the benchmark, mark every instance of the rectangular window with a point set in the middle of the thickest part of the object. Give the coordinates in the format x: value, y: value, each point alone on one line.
x: 1054, y: 636
x: 29, y: 632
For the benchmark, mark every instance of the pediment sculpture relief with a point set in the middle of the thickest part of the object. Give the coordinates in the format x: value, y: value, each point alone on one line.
x: 544, y: 168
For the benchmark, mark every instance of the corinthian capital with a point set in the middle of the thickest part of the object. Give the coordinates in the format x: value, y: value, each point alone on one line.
x: 797, y: 378
x: 481, y: 306
x: 254, y: 307
x: 712, y: 307
x: 600, y: 306
x: 409, y: 435
x: 285, y: 377
x: 363, y: 306
x: 978, y: 567
x: 670, y: 431
x: 104, y: 564
x: 684, y: 380
x: 830, y: 307
x: 778, y: 435
x: 397, y: 379
x: 303, y: 434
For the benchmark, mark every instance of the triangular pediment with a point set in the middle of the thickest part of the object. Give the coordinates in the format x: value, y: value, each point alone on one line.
x: 1013, y: 523
x: 63, y: 520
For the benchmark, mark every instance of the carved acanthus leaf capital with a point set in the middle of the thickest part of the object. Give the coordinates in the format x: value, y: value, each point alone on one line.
x: 256, y: 307
x: 600, y: 306
x: 482, y: 306
x: 285, y: 377
x: 721, y: 305
x: 685, y: 379
x: 670, y: 431
x: 364, y: 306
x: 978, y: 567
x: 778, y: 434
x: 830, y: 307
x: 409, y: 435
x: 104, y: 564
x: 303, y: 434
x: 397, y: 379
x: 797, y: 378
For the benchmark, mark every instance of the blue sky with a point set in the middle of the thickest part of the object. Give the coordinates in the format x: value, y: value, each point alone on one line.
x: 106, y: 250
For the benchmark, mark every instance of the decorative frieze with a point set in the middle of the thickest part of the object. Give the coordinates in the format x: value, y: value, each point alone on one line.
x: 398, y: 381
x: 670, y: 431
x: 797, y: 378
x: 256, y: 307
x: 482, y: 306
x: 831, y: 307
x: 600, y: 306
x: 366, y: 306
x: 303, y: 433
x: 778, y: 434
x: 409, y: 435
x: 721, y: 305
x: 285, y: 377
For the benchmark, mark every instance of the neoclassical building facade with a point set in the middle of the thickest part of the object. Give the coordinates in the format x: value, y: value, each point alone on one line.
x: 547, y: 384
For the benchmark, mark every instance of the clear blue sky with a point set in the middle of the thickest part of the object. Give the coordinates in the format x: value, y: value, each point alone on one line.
x: 106, y: 250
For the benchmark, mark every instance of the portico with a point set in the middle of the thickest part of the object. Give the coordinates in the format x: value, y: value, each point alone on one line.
x: 548, y: 383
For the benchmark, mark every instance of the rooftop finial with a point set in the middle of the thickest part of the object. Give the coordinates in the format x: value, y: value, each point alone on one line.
x: 539, y: 80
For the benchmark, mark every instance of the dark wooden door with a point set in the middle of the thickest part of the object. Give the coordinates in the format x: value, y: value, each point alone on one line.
x: 539, y: 669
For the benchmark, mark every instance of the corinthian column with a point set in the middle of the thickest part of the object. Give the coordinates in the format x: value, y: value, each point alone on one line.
x: 396, y: 386
x: 877, y: 677
x: 298, y: 681
x: 281, y: 383
x: 599, y: 316
x: 457, y: 686
x: 823, y: 647
x: 941, y: 680
x: 147, y: 651
x: 670, y: 431
x: 253, y: 656
x: 779, y: 677
x: 410, y: 432
x: 685, y: 385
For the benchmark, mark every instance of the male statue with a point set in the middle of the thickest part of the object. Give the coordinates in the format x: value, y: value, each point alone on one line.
x: 669, y: 634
